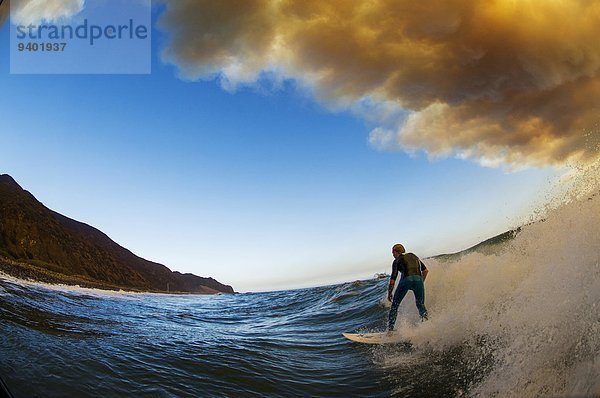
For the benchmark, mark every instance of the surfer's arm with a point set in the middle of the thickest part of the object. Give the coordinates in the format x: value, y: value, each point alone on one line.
x: 424, y: 270
x: 392, y: 279
x: 391, y: 288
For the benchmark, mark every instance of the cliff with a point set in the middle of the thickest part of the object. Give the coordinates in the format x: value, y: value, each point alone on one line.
x: 38, y: 243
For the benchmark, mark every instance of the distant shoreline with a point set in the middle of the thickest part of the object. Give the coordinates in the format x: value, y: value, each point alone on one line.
x: 28, y: 272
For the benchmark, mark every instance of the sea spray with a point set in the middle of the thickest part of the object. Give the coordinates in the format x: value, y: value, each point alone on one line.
x: 532, y: 309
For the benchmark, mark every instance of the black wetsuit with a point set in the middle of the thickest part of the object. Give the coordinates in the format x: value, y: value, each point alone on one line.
x: 411, y: 269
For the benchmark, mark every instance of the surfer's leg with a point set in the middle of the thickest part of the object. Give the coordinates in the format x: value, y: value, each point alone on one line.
x: 419, y: 290
x: 398, y: 296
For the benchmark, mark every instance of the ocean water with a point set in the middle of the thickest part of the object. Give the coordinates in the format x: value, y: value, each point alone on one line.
x: 524, y: 322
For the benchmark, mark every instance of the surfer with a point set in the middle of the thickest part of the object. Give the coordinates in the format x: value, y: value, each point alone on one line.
x: 413, y: 273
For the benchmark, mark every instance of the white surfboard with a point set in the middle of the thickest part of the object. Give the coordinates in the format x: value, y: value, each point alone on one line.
x: 375, y: 338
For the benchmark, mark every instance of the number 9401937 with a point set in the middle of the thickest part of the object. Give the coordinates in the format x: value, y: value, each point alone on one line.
x: 42, y: 47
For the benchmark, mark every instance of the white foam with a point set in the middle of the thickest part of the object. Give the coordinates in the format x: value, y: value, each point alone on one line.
x: 76, y: 289
x: 537, y: 303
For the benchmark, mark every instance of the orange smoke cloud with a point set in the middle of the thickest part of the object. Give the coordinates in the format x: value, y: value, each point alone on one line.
x: 505, y: 81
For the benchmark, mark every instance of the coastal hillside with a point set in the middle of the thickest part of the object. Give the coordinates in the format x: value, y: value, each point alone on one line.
x: 491, y: 246
x: 40, y: 244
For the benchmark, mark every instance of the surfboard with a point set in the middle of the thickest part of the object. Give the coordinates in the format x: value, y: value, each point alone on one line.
x: 375, y: 338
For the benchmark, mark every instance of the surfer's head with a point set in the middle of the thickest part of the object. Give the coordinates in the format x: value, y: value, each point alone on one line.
x: 397, y: 250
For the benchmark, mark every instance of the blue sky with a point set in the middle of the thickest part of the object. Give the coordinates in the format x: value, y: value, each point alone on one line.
x: 260, y: 187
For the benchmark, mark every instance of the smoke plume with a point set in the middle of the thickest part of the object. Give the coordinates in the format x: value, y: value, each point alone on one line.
x: 502, y: 81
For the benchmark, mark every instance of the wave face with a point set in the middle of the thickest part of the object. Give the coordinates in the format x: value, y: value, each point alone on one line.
x: 528, y: 317
x: 524, y: 322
